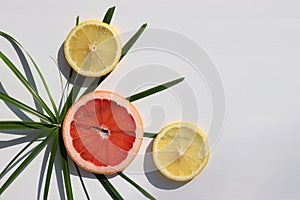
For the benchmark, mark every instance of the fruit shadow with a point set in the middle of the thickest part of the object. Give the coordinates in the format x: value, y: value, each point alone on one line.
x: 154, y: 176
x: 72, y: 76
x: 66, y: 70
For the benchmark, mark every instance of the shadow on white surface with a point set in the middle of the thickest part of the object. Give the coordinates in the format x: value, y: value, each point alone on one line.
x: 17, y: 111
x: 155, y: 177
x: 72, y: 76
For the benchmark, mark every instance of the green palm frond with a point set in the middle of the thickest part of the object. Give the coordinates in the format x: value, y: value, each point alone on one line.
x: 154, y: 90
x: 25, y: 163
x: 109, y: 14
x: 81, y: 181
x: 26, y: 84
x: 134, y: 184
x: 5, y: 170
x: 49, y: 126
x: 16, y: 43
x: 111, y: 190
x: 51, y: 164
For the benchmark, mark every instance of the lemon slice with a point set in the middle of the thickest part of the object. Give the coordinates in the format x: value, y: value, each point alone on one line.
x: 180, y: 151
x: 93, y: 48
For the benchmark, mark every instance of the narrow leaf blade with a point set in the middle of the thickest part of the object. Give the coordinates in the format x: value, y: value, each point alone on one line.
x: 154, y: 90
x: 132, y: 40
x: 14, y: 41
x: 65, y: 169
x: 26, y: 84
x: 77, y: 20
x: 108, y: 186
x: 22, y: 166
x: 23, y: 125
x: 109, y: 14
x: 19, y: 153
x: 50, y: 165
x: 22, y: 106
x: 95, y: 84
x: 150, y: 135
x: 81, y: 181
x: 134, y: 184
x: 70, y: 100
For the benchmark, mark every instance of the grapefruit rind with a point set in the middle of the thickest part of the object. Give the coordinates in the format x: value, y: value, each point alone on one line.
x: 89, y: 166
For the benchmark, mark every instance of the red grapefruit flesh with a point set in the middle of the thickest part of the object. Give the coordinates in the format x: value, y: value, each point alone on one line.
x: 102, y: 132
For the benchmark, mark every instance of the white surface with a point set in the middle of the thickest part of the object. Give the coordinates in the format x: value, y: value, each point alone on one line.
x: 255, y: 46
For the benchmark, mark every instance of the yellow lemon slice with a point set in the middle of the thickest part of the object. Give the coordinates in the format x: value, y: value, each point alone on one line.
x: 93, y: 48
x: 180, y: 151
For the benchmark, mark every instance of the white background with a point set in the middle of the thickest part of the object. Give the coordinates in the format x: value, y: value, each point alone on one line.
x: 255, y: 46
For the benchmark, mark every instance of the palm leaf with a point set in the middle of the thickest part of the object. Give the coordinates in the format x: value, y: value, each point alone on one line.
x: 65, y: 168
x: 77, y: 20
x: 22, y: 166
x: 26, y: 84
x: 143, y: 191
x: 125, y: 50
x: 70, y: 100
x: 71, y: 97
x: 95, y: 84
x: 14, y: 41
x: 132, y: 40
x: 150, y: 135
x: 18, y: 112
x: 154, y: 90
x: 108, y: 186
x: 22, y: 106
x: 23, y: 125
x: 109, y: 14
x: 81, y: 181
x: 20, y: 152
x: 50, y: 164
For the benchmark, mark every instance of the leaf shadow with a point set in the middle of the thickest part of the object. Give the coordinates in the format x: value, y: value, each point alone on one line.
x: 59, y: 179
x: 17, y: 141
x: 27, y: 71
x: 43, y: 168
x: 17, y: 111
x: 69, y: 74
x: 17, y: 161
x: 154, y: 176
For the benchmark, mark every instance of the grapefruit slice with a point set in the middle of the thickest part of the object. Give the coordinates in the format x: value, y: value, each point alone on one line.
x: 102, y: 132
